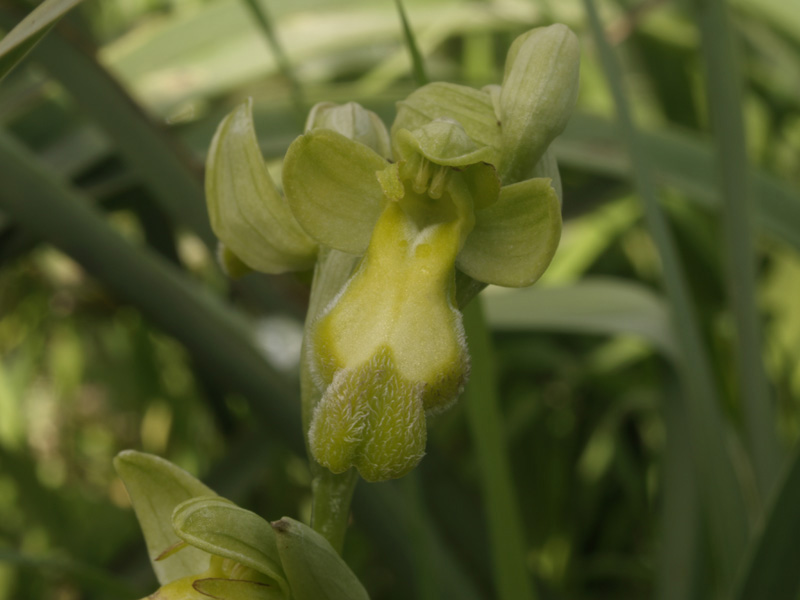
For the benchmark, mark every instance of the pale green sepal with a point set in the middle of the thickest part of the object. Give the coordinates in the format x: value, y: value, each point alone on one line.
x: 471, y: 108
x: 247, y: 212
x: 353, y: 121
x: 537, y: 97
x: 232, y: 265
x: 221, y: 528
x: 515, y: 239
x: 237, y: 589
x: 314, y: 569
x: 548, y: 167
x: 332, y: 188
x: 156, y: 487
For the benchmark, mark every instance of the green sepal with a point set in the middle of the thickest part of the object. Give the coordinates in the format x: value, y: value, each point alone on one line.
x: 221, y: 528
x: 332, y: 188
x: 156, y: 487
x: 237, y: 589
x: 314, y: 569
x: 539, y: 91
x: 353, y: 121
x: 471, y: 108
x: 548, y: 167
x: 514, y: 240
x: 233, y: 266
x: 247, y: 212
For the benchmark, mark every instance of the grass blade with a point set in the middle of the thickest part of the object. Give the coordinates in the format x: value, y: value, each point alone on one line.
x: 724, y: 95
x: 722, y: 496
x: 420, y: 76
x: 29, y: 32
x: 156, y: 159
x: 264, y: 21
x: 41, y: 203
x: 598, y: 305
x: 680, y: 556
x: 381, y: 507
x: 771, y: 567
x: 679, y: 160
x: 512, y: 580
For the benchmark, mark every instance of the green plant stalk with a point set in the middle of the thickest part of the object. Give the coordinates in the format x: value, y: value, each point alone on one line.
x: 723, y: 500
x: 508, y: 549
x: 723, y: 89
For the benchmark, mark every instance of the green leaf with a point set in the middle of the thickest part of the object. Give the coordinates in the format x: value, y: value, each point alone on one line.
x: 332, y: 189
x: 723, y: 86
x: 597, y: 305
x: 314, y: 569
x: 21, y: 40
x: 236, y: 589
x: 539, y: 91
x: 222, y: 528
x: 720, y: 488
x: 156, y: 487
x: 770, y: 567
x: 413, y: 49
x: 247, y: 211
x: 515, y: 238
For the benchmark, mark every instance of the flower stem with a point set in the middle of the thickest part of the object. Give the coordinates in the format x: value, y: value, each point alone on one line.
x: 330, y: 508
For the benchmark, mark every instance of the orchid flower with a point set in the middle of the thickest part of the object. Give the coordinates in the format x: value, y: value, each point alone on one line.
x: 205, y: 547
x: 465, y: 183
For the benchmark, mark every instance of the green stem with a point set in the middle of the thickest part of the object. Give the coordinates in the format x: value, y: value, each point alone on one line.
x: 512, y: 578
x: 330, y: 505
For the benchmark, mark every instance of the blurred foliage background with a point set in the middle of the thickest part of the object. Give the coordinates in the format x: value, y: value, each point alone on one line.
x: 639, y: 464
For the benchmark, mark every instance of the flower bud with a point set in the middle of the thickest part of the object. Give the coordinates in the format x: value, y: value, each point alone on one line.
x: 352, y: 121
x: 539, y: 91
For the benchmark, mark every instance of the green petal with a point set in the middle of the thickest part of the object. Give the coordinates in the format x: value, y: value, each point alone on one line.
x: 222, y: 528
x: 237, y: 589
x: 353, y: 121
x: 332, y: 188
x: 443, y: 142
x: 247, y: 212
x: 471, y: 108
x: 514, y: 240
x: 538, y: 94
x: 314, y: 569
x: 156, y: 487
